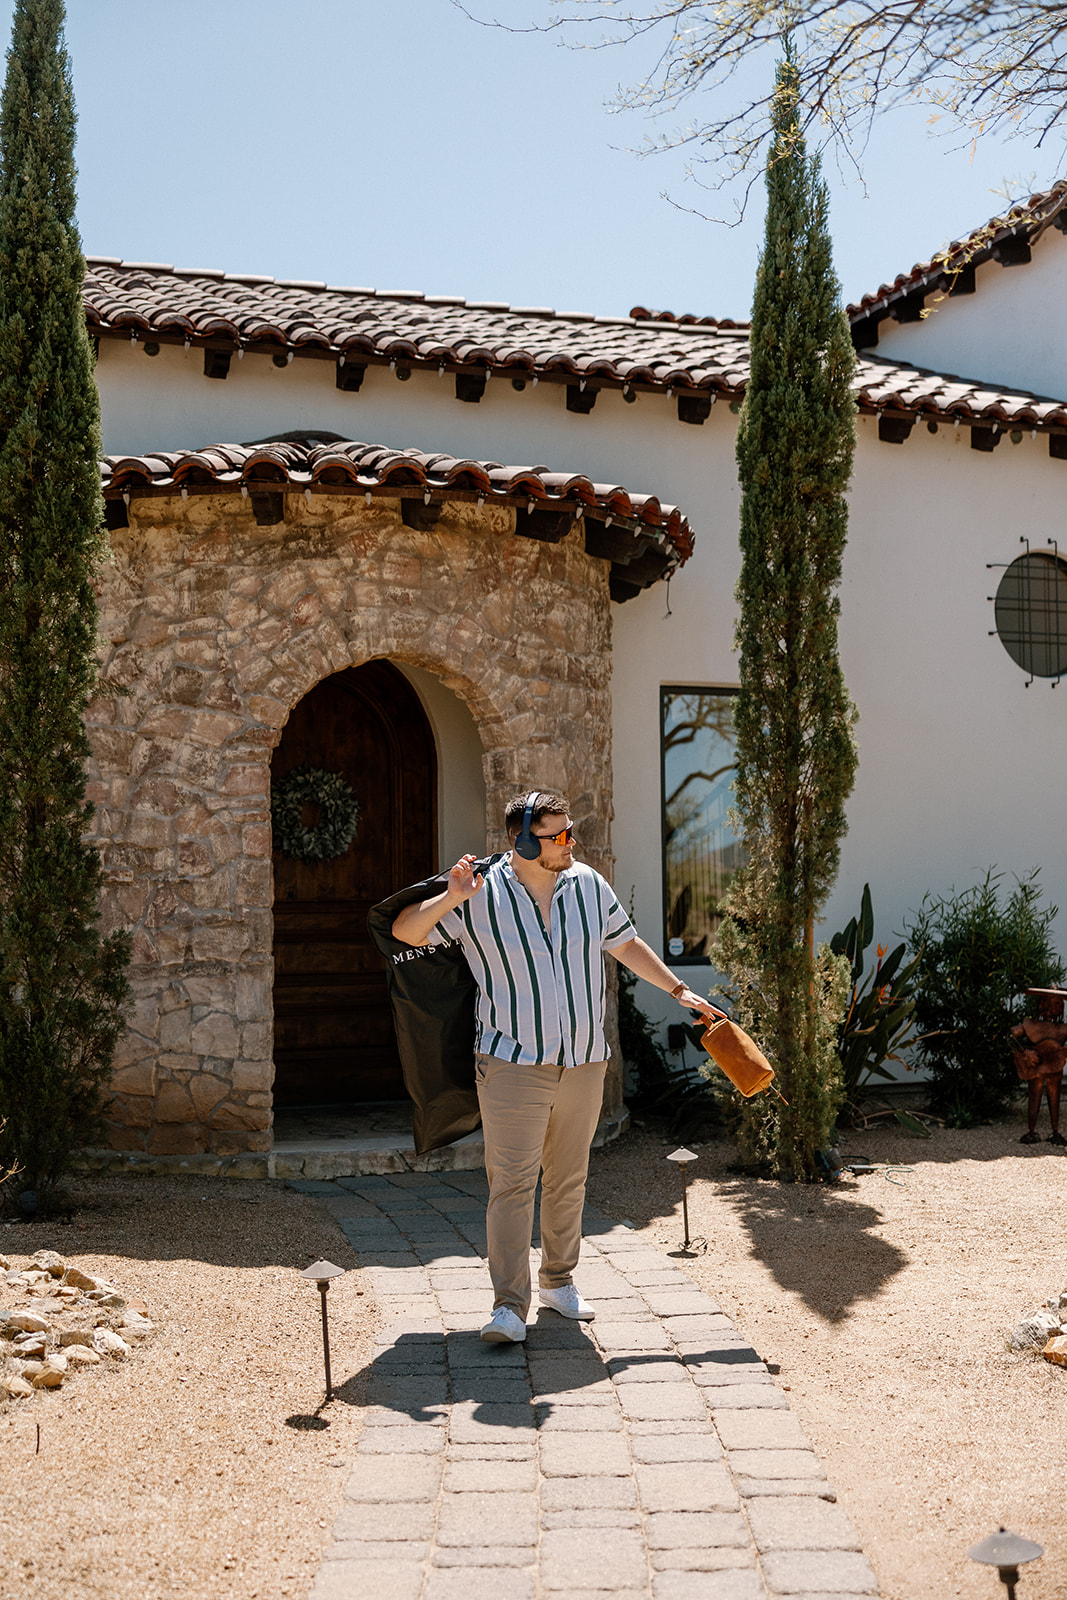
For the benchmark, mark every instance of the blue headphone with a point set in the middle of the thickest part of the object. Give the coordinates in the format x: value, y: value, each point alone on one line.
x: 528, y: 845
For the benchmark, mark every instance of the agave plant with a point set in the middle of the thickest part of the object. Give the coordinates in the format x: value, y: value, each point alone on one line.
x: 879, y: 1020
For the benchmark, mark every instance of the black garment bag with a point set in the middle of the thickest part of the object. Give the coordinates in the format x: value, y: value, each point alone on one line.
x: 433, y: 995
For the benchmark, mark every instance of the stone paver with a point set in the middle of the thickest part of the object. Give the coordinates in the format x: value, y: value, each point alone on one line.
x: 649, y: 1455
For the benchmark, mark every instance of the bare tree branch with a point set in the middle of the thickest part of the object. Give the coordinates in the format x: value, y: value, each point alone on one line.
x: 985, y: 65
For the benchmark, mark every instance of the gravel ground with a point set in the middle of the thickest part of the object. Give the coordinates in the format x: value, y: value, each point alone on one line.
x: 887, y: 1307
x: 196, y: 1467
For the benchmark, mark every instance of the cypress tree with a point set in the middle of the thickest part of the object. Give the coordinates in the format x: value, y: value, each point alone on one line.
x: 796, y: 757
x: 62, y: 985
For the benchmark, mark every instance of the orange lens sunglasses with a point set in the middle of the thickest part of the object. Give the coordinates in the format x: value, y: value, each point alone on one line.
x: 565, y: 836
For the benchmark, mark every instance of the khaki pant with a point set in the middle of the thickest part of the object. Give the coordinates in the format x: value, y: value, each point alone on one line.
x: 536, y: 1118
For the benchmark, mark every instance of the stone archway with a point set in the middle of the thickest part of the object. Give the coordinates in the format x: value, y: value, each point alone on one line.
x: 218, y: 627
x: 333, y: 1029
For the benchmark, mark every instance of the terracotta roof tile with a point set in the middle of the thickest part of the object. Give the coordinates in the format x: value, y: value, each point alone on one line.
x: 687, y: 319
x: 441, y: 330
x: 322, y: 463
x: 646, y: 351
x: 1023, y: 224
x: 892, y: 385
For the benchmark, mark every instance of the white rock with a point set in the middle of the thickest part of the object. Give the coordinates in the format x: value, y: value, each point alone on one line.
x: 14, y: 1387
x: 135, y: 1327
x: 50, y: 1261
x: 109, y: 1344
x: 31, y: 1344
x: 81, y: 1355
x: 79, y: 1279
x: 55, y: 1362
x: 1034, y: 1332
x: 30, y: 1369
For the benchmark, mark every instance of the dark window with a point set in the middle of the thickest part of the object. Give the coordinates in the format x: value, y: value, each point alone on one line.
x: 701, y: 851
x: 1031, y: 613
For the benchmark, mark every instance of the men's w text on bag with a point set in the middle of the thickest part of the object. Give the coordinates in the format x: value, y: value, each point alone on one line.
x: 433, y: 995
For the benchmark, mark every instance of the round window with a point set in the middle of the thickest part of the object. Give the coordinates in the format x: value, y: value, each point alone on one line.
x: 1031, y: 614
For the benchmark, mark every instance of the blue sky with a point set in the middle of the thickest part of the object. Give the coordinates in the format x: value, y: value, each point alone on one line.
x: 397, y: 145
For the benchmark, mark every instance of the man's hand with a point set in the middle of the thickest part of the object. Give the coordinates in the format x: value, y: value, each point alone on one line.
x: 694, y: 1002
x: 415, y: 923
x: 463, y: 881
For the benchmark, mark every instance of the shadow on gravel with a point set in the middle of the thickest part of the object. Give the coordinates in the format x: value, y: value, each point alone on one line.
x: 220, y: 1222
x: 817, y: 1242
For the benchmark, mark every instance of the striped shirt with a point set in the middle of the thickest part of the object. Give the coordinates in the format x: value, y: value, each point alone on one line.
x: 541, y: 995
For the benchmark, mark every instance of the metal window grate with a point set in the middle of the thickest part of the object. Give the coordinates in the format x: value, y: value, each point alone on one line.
x: 1030, y: 612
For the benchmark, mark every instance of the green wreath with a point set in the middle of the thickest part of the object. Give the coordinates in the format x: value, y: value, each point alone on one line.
x: 337, y: 827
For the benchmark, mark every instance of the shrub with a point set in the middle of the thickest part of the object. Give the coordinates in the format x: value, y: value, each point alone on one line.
x: 978, y: 951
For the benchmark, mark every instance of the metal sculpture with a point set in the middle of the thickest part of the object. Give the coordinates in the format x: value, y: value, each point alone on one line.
x: 1040, y: 1047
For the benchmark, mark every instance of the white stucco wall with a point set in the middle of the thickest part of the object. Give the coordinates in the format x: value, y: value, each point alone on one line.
x: 1011, y: 332
x: 460, y: 783
x: 960, y: 764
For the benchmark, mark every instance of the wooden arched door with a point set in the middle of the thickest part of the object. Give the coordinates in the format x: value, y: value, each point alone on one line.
x: 333, y: 1031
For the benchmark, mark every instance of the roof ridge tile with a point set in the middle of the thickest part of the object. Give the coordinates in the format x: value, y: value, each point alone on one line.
x: 1036, y: 213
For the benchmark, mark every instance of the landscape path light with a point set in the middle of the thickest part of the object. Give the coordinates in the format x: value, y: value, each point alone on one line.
x: 1007, y: 1552
x: 683, y: 1157
x: 321, y: 1272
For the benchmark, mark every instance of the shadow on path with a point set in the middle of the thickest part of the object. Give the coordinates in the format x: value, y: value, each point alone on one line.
x: 420, y: 1376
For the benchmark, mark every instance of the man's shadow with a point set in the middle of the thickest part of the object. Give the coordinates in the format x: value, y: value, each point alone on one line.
x: 422, y: 1376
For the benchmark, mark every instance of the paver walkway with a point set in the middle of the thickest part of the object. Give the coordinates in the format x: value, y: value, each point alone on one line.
x: 649, y: 1453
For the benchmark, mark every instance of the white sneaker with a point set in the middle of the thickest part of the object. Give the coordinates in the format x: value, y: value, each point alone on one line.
x: 504, y: 1327
x: 568, y: 1302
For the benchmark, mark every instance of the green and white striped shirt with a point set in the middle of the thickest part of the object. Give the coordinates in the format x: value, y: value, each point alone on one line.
x: 541, y: 997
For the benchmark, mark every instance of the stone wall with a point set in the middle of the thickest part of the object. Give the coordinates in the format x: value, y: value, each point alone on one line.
x: 213, y: 629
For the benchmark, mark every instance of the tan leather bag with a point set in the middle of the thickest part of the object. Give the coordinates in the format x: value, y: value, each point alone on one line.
x: 738, y: 1056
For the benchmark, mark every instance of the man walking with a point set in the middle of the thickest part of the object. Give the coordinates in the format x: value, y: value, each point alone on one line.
x: 534, y: 930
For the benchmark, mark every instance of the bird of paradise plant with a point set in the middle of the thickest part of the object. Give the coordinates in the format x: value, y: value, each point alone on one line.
x: 879, y: 1020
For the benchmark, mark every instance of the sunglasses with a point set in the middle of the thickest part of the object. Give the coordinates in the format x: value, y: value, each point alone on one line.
x: 565, y: 836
